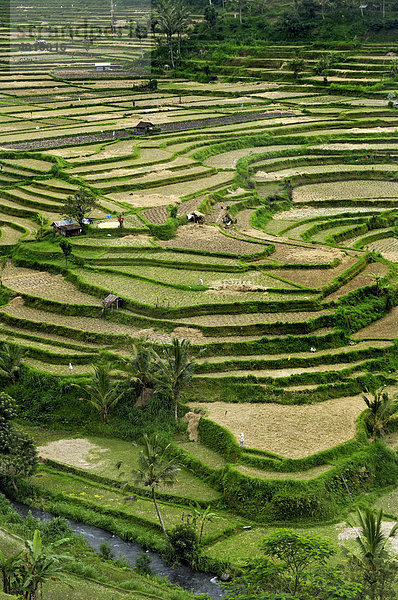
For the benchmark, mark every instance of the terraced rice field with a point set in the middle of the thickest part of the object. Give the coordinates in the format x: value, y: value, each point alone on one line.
x: 312, y: 196
x: 291, y: 431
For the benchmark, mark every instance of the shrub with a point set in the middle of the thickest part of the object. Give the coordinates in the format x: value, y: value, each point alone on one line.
x: 142, y: 564
x: 106, y: 551
x: 185, y: 544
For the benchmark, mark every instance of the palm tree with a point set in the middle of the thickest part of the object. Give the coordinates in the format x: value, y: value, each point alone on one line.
x: 183, y: 19
x: 102, y: 393
x: 173, y: 18
x: 372, y: 557
x: 165, y: 15
x: 10, y: 361
x: 141, y: 368
x: 3, y: 266
x: 153, y: 22
x: 297, y: 65
x: 202, y: 515
x: 382, y: 409
x: 174, y: 371
x: 141, y: 32
x: 155, y: 470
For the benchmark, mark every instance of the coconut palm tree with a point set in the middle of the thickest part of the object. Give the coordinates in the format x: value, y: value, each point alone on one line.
x: 382, y: 409
x: 141, y: 32
x: 173, y: 371
x: 203, y: 516
x: 155, y: 470
x: 173, y: 18
x: 102, y: 393
x: 165, y: 16
x: 183, y: 19
x: 372, y: 557
x: 10, y: 361
x: 141, y: 367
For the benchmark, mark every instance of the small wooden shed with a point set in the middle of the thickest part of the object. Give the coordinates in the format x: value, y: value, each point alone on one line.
x: 67, y: 228
x: 112, y: 301
x: 143, y: 127
x: 103, y: 66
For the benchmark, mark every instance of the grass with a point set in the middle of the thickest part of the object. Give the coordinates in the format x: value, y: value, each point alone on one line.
x: 102, y: 458
x: 111, y: 579
x: 389, y: 503
x: 204, y: 454
x: 246, y: 545
x: 91, y: 495
x: 330, y: 125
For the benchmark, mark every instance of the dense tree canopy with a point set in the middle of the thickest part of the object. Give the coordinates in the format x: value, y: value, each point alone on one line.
x: 18, y: 456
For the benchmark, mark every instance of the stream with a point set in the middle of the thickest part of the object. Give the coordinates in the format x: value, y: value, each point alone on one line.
x: 194, y: 581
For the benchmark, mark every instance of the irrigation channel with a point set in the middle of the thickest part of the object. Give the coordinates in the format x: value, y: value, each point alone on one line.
x: 195, y: 581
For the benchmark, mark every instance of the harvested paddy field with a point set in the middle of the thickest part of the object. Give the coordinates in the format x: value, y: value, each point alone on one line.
x: 291, y: 431
x: 383, y: 329
x: 283, y: 280
x: 339, y: 190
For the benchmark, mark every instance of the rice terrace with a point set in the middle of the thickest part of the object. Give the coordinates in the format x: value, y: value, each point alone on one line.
x: 199, y: 296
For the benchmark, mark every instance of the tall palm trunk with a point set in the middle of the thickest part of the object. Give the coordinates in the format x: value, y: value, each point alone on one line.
x: 170, y: 40
x: 160, y: 517
x: 179, y: 44
x: 175, y: 399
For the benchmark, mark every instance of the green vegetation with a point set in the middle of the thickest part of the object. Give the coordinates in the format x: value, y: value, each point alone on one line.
x: 228, y: 314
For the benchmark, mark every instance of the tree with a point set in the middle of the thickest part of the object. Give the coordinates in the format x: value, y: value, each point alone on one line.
x: 102, y: 393
x: 40, y: 564
x: 155, y: 470
x: 173, y: 18
x: 372, y: 560
x: 210, y: 16
x: 297, y: 65
x: 79, y: 206
x: 141, y: 368
x: 202, y: 516
x: 393, y: 68
x: 10, y: 361
x: 165, y: 15
x: 173, y: 371
x: 153, y: 22
x: 42, y: 226
x: 9, y: 569
x: 183, y: 19
x: 185, y: 544
x: 3, y: 266
x: 297, y: 553
x: 141, y: 32
x: 87, y: 43
x: 294, y: 566
x: 240, y: 5
x: 66, y: 248
x: 324, y: 64
x: 382, y: 409
x: 18, y: 456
